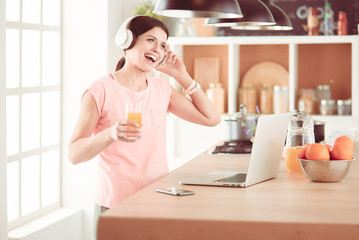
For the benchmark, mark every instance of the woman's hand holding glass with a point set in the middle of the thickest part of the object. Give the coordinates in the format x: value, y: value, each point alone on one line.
x: 129, y: 129
x: 126, y: 130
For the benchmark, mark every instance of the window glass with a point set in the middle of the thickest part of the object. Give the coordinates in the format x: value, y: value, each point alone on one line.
x: 30, y: 121
x: 49, y: 178
x: 50, y: 58
x: 31, y: 11
x: 12, y: 124
x: 30, y: 184
x: 50, y: 118
x: 12, y: 58
x: 30, y: 58
x: 50, y: 12
x: 12, y: 10
x: 13, y: 191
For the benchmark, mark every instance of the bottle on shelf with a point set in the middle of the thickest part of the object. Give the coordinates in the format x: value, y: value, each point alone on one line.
x: 247, y: 96
x: 215, y: 93
x: 342, y: 23
x: 328, y: 19
x: 313, y: 22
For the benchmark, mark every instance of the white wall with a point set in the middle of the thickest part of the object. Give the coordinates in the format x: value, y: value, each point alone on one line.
x: 3, y: 159
x: 89, y: 29
x: 85, y: 30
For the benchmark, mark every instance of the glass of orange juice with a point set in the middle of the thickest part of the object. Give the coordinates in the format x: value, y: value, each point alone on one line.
x: 134, y: 111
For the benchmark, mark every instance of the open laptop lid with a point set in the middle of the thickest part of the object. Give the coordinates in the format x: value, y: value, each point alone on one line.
x: 267, y: 148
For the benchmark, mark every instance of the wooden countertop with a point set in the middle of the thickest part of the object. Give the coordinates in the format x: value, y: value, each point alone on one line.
x: 288, y: 207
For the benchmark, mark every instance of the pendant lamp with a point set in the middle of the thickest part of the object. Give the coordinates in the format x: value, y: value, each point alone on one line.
x: 198, y: 8
x: 254, y: 13
x: 280, y: 17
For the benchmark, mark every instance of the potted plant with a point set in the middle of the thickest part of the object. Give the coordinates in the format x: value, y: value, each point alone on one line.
x: 146, y: 8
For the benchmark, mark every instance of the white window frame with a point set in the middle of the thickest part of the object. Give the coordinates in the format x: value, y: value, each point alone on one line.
x: 19, y: 91
x: 3, y: 161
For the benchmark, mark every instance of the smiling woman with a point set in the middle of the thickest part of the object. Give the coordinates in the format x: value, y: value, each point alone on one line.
x: 131, y: 156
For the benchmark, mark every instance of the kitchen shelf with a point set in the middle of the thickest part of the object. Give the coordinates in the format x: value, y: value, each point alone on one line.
x: 233, y: 46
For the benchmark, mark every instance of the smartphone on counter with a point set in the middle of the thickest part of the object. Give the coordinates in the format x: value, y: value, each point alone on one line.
x: 175, y: 191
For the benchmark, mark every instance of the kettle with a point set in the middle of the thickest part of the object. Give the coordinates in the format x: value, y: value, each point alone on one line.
x: 241, y: 125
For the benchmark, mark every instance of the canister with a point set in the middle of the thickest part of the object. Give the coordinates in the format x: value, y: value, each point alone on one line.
x: 280, y: 99
x: 344, y: 107
x: 328, y: 107
x: 266, y: 98
x: 216, y: 94
x: 247, y: 96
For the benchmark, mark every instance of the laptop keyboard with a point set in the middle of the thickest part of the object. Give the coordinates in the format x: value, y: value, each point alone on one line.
x: 238, y: 178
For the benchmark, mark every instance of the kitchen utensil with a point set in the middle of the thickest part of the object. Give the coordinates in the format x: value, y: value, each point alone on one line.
x: 241, y: 125
x: 266, y: 72
x: 325, y: 171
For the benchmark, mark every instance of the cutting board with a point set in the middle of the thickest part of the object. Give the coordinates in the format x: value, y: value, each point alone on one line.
x: 206, y: 70
x: 266, y: 72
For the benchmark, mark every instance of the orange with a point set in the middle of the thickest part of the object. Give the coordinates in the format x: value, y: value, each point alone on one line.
x: 303, y: 150
x: 342, y: 149
x: 327, y: 146
x: 345, y: 139
x: 317, y: 151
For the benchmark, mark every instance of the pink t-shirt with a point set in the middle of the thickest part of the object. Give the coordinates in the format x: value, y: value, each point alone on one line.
x: 124, y: 168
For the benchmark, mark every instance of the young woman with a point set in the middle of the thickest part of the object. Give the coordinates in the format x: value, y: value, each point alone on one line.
x: 130, y: 156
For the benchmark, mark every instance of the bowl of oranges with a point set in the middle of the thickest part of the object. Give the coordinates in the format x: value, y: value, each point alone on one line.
x: 327, y: 163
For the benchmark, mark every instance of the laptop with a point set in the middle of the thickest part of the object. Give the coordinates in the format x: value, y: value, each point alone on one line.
x: 265, y: 159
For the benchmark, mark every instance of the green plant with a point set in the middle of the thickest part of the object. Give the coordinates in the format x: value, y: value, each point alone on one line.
x: 146, y: 8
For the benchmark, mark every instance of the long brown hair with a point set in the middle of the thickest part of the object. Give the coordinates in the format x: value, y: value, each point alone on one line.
x: 138, y: 26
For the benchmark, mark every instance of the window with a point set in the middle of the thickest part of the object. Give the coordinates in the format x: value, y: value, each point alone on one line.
x: 33, y: 108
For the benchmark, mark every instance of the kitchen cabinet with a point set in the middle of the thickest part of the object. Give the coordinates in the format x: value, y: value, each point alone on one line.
x: 310, y: 61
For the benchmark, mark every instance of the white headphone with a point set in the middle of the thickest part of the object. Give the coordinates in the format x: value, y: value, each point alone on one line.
x: 124, y: 36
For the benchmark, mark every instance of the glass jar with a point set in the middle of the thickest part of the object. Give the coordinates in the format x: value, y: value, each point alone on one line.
x: 306, y: 101
x: 266, y: 98
x: 247, y: 96
x: 216, y: 94
x: 328, y: 107
x: 344, y: 107
x: 322, y: 92
x: 280, y: 99
x: 300, y: 132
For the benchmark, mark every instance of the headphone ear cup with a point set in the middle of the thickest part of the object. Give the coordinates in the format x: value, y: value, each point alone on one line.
x: 129, y: 39
x: 124, y: 36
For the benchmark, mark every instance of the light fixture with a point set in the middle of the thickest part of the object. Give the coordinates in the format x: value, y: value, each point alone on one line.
x: 280, y: 17
x: 254, y: 13
x: 198, y: 8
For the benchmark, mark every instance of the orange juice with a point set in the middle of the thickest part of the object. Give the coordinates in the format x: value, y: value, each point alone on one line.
x: 137, y: 117
x: 292, y: 164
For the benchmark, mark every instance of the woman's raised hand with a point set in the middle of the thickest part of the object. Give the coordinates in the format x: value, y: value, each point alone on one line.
x: 173, y: 65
